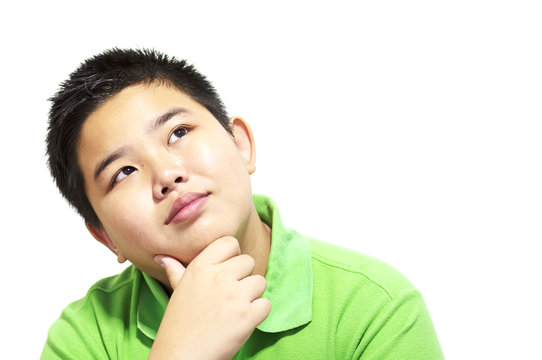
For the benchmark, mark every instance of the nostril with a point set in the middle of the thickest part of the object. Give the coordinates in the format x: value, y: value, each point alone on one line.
x: 164, y: 190
x: 179, y: 179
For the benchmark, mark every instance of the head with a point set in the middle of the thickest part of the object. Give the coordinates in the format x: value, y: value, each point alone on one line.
x: 97, y: 80
x: 133, y: 137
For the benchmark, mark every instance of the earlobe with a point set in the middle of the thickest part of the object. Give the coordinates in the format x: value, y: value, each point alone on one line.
x: 101, y: 235
x: 244, y: 140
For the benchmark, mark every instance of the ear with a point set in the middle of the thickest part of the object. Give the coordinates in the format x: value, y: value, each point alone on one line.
x: 101, y: 235
x: 244, y: 140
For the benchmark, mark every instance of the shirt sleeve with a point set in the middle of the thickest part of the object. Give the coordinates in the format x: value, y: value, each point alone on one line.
x: 71, y: 338
x: 402, y: 330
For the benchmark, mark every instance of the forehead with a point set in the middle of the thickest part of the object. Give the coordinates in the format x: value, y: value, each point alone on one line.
x: 136, y: 106
x: 144, y: 101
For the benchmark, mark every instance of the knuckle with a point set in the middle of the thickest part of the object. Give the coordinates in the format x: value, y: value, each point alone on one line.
x: 260, y: 278
x: 195, y: 267
x: 248, y: 260
x: 231, y: 244
x: 266, y: 306
x: 260, y: 281
x: 265, y: 303
x: 220, y: 277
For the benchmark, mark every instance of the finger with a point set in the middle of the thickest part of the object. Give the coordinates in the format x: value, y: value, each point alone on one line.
x: 174, y: 269
x: 219, y: 250
x: 239, y: 266
x: 253, y: 286
x: 261, y: 307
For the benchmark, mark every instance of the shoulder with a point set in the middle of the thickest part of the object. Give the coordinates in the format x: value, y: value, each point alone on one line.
x: 106, y: 290
x: 88, y: 326
x: 335, y: 263
x: 374, y: 308
x: 107, y: 301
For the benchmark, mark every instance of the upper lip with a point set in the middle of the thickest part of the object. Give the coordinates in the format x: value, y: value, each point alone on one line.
x: 181, y: 202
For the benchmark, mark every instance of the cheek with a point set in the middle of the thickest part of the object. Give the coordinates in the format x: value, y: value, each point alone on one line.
x: 128, y: 220
x: 219, y: 159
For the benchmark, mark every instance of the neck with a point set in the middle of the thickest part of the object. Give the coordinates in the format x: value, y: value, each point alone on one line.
x: 256, y: 242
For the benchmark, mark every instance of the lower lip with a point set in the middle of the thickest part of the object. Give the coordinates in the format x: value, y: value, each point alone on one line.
x: 189, y: 210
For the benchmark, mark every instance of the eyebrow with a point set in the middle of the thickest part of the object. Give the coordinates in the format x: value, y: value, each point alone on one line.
x: 123, y: 151
x: 160, y: 120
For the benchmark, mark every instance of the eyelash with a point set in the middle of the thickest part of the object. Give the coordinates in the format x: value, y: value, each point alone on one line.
x: 114, y: 181
x: 185, y: 129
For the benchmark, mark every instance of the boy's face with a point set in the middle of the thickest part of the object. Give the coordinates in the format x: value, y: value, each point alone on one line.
x: 152, y: 149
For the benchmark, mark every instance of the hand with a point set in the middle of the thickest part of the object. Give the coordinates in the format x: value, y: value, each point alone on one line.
x: 215, y: 305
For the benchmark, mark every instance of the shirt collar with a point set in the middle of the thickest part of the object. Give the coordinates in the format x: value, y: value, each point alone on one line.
x: 151, y: 306
x: 289, y: 280
x: 289, y: 273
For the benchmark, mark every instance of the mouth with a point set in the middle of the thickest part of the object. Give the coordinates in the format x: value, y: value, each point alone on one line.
x: 186, y: 206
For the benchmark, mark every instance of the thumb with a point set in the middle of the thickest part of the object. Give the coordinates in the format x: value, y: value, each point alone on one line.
x: 174, y: 269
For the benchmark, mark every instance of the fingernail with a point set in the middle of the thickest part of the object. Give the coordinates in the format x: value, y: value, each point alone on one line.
x: 159, y: 259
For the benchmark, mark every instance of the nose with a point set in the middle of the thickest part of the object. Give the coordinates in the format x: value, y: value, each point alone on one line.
x: 165, y: 188
x: 167, y: 184
x: 167, y: 178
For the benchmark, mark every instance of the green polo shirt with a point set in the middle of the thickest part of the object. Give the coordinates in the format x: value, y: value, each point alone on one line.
x: 327, y: 303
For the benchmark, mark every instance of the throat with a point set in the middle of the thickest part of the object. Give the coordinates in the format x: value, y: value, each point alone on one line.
x: 258, y: 246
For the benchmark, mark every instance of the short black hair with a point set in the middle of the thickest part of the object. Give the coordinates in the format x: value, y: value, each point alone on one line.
x: 97, y: 80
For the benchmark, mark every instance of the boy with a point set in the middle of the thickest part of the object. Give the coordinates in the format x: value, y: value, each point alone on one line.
x: 140, y: 144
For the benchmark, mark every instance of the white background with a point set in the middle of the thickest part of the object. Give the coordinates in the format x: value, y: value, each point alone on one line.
x: 409, y: 130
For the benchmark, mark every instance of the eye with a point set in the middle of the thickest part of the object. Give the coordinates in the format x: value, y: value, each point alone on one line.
x: 177, y: 134
x: 123, y: 173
